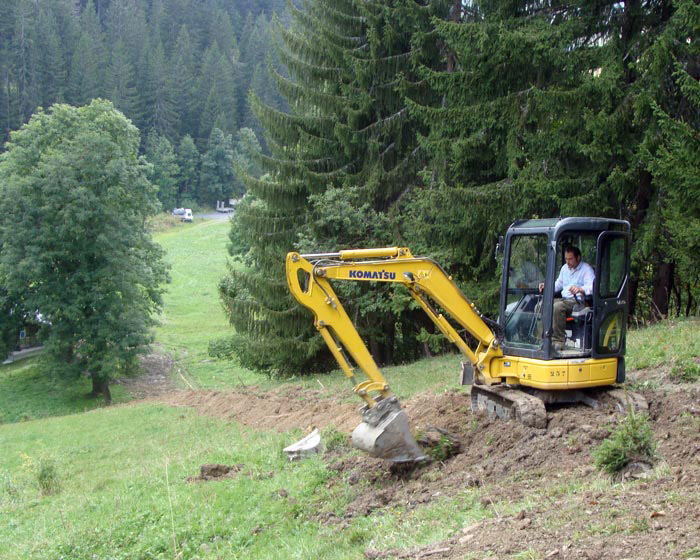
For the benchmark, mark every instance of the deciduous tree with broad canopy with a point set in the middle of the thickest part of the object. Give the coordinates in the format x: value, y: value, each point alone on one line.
x: 75, y: 243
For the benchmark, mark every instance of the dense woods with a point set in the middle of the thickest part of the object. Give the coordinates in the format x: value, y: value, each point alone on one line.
x: 435, y: 124
x: 180, y: 70
x: 427, y: 123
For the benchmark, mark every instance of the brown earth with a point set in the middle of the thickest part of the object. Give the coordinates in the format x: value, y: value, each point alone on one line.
x: 540, y: 495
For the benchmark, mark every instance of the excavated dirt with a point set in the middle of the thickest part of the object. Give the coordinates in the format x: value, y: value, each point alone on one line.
x: 215, y: 471
x: 537, y: 489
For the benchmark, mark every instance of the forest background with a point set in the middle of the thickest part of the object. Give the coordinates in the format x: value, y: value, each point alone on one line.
x: 180, y: 70
x: 432, y: 124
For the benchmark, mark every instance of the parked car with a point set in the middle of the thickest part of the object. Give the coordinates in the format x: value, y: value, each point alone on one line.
x: 178, y: 211
x: 187, y: 216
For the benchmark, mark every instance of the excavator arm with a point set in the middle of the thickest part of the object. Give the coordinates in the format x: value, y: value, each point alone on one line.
x: 309, y: 278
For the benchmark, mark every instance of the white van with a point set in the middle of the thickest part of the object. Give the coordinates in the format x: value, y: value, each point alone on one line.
x: 187, y: 216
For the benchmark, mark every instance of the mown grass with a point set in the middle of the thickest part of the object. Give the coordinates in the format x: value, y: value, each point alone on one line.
x: 192, y: 313
x: 124, y: 493
x: 663, y: 344
x: 28, y: 391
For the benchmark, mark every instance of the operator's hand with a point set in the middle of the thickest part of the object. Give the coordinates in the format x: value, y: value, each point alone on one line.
x: 575, y: 290
x: 541, y: 287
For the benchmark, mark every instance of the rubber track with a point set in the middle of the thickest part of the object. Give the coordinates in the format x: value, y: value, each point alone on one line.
x: 506, y: 403
x: 624, y: 399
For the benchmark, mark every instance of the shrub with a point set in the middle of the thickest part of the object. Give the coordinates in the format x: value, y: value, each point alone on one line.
x: 631, y: 441
x: 8, y: 487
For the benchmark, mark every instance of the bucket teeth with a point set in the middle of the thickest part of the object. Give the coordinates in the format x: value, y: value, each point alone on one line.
x: 385, y: 433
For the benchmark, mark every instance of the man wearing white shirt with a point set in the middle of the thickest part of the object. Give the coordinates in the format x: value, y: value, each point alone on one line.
x: 575, y: 279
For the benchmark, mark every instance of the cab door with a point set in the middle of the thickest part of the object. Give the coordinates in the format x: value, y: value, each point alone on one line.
x: 610, y: 299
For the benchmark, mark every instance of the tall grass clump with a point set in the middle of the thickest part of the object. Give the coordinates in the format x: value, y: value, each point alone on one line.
x: 631, y: 441
x: 44, y: 472
x: 685, y: 370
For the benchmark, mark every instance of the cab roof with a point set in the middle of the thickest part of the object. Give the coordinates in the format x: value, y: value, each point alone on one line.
x: 572, y: 223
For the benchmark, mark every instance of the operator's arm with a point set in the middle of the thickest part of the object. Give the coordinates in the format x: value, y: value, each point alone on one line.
x: 559, y: 284
x: 588, y: 278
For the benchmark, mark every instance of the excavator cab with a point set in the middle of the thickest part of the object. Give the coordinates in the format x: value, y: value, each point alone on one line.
x: 534, y: 254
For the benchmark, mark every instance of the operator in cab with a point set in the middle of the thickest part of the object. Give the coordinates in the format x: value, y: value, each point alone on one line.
x: 575, y: 280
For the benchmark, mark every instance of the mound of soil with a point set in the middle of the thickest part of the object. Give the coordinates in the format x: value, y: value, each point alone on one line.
x: 215, y: 471
x: 281, y: 410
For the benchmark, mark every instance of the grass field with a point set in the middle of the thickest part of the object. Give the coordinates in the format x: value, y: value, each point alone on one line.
x: 192, y: 315
x: 111, y: 483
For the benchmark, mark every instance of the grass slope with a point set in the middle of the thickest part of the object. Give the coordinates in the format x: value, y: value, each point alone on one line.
x: 124, y: 493
x: 28, y: 392
x: 122, y: 472
x: 192, y: 314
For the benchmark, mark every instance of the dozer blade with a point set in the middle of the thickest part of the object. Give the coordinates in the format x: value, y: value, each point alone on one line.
x: 384, y: 433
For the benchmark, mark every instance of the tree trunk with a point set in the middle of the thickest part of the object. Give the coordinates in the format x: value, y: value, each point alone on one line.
x: 96, y: 387
x: 101, y: 387
x: 637, y: 209
x: 106, y: 392
x: 663, y: 284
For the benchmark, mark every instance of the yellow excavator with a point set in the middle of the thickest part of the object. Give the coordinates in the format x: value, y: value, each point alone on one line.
x: 512, y: 363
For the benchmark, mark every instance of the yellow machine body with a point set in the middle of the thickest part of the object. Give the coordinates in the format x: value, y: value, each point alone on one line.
x: 433, y: 288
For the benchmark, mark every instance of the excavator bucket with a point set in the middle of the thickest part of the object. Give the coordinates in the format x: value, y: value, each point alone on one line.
x: 384, y: 433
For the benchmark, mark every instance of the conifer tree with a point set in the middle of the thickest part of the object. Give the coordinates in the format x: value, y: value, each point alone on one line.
x: 347, y: 138
x: 119, y: 82
x: 671, y: 152
x: 217, y: 175
x: 86, y: 80
x: 52, y: 70
x: 165, y: 170
x: 183, y: 69
x: 24, y: 56
x: 158, y: 106
x: 246, y: 153
x: 535, y: 118
x: 217, y: 93
x: 188, y: 161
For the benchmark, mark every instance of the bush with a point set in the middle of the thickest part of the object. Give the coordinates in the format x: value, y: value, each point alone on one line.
x: 631, y: 441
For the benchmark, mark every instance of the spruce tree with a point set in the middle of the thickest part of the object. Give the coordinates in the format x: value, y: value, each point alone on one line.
x: 536, y: 117
x: 217, y: 93
x: 217, y: 176
x: 164, y: 170
x: 119, y: 84
x: 188, y: 161
x: 86, y: 79
x: 346, y: 140
x: 183, y: 68
x: 158, y: 93
x: 671, y: 153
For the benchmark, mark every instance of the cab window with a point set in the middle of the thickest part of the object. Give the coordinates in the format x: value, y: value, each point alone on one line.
x: 523, y: 313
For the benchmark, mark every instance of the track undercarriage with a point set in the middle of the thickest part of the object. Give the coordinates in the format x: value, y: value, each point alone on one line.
x: 528, y: 406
